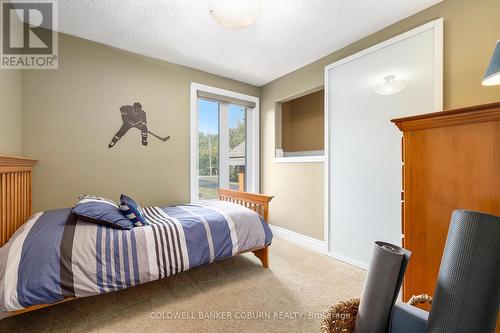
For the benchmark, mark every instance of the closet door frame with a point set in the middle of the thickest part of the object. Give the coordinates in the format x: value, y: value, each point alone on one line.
x: 438, y: 27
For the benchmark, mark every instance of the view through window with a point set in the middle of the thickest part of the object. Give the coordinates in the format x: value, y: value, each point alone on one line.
x: 222, y: 147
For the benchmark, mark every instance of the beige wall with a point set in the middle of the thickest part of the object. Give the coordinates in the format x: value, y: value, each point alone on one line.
x: 303, y: 123
x: 70, y: 115
x: 471, y: 30
x: 10, y: 112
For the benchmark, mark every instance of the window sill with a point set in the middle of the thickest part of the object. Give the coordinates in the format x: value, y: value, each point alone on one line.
x: 300, y: 159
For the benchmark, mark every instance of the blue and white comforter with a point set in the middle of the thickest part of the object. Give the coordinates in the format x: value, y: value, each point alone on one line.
x: 54, y: 255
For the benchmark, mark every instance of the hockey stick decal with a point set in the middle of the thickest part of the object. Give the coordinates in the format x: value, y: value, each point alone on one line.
x: 133, y: 116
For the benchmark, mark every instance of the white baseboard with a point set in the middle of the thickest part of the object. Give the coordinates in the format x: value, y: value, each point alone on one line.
x: 347, y: 260
x: 299, y: 239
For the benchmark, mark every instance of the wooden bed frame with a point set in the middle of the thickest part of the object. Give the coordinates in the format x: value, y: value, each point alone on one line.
x: 15, y: 208
x: 256, y: 202
x: 15, y: 194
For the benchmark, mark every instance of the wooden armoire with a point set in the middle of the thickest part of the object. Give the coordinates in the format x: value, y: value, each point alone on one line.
x: 451, y: 160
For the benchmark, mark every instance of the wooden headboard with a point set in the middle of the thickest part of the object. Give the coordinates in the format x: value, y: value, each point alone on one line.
x: 15, y: 194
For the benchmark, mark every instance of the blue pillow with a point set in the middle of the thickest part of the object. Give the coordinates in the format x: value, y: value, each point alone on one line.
x: 96, y: 209
x: 132, y: 211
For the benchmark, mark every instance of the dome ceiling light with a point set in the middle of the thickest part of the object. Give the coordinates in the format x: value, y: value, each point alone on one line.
x: 390, y: 86
x: 235, y: 14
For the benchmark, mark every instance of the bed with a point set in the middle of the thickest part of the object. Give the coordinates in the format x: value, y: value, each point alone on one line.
x: 52, y: 257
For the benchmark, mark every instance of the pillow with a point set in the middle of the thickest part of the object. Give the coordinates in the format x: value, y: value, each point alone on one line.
x: 96, y: 209
x: 132, y: 211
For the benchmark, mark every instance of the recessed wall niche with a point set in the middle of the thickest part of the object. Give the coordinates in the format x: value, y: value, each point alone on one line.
x: 299, y: 128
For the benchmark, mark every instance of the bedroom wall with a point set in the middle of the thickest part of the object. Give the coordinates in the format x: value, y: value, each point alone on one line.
x: 10, y: 112
x: 302, y: 123
x: 471, y: 29
x: 69, y: 116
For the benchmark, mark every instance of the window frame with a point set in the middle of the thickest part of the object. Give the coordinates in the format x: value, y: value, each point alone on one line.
x: 252, y: 138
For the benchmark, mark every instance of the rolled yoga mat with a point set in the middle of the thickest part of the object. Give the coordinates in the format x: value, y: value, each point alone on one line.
x: 385, y: 276
x: 467, y: 293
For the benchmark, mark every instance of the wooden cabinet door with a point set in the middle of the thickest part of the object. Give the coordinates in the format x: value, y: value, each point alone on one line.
x: 446, y: 168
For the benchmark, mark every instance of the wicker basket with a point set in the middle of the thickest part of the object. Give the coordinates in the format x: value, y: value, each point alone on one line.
x: 420, y: 299
x: 341, y: 317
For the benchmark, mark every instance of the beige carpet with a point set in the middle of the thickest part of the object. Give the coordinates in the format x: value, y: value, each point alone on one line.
x: 289, y: 297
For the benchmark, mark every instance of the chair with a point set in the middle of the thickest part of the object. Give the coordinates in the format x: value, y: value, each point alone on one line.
x: 467, y: 293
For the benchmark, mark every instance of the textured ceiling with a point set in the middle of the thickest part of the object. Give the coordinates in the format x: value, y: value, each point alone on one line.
x: 288, y: 35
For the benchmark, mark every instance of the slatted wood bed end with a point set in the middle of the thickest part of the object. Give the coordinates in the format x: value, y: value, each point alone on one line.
x: 256, y: 202
x: 15, y: 194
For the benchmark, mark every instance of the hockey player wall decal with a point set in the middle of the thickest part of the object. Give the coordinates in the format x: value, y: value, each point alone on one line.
x: 133, y: 116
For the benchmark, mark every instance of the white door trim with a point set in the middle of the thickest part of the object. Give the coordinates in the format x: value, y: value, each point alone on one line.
x: 438, y: 27
x: 253, y: 126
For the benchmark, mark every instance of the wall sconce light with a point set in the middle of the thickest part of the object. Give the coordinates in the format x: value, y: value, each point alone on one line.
x: 390, y: 86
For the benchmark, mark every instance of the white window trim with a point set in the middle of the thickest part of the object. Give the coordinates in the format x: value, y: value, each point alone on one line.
x: 253, y: 126
x: 223, y: 145
x: 306, y: 156
x: 300, y: 159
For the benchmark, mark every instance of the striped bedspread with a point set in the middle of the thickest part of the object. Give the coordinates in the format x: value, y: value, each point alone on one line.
x: 54, y: 255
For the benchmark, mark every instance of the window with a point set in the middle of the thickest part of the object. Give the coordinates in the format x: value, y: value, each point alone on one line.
x: 224, y: 142
x: 221, y: 133
x: 300, y: 128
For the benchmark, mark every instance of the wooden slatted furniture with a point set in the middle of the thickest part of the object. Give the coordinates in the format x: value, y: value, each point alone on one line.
x: 15, y: 205
x: 256, y: 202
x: 451, y: 160
x: 15, y: 194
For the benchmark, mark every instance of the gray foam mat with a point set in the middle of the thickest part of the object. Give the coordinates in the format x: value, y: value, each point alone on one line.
x: 467, y: 293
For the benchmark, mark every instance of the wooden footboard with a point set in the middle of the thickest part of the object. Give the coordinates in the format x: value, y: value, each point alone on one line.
x: 256, y: 202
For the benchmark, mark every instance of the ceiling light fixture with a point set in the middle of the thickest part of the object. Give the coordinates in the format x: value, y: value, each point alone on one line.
x: 390, y: 86
x: 235, y: 14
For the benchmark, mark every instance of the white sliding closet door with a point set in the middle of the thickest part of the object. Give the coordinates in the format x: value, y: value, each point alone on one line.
x: 364, y: 147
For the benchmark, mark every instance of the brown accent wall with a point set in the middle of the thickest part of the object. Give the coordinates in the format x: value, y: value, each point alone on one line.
x: 303, y: 123
x: 471, y: 29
